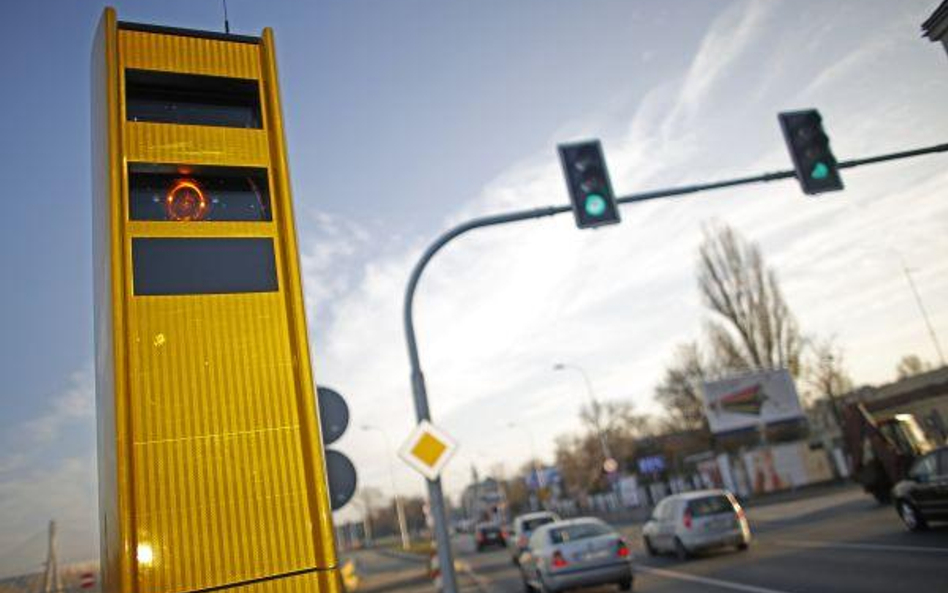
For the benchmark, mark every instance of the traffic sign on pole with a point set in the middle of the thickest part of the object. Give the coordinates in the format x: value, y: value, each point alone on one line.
x: 428, y: 449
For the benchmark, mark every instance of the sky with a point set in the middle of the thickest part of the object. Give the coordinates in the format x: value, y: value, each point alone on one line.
x: 405, y: 117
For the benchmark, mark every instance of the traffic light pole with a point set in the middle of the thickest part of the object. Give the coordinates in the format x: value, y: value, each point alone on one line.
x: 422, y: 412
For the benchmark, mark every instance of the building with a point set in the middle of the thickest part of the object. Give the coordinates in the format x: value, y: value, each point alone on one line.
x: 924, y: 395
x: 484, y: 500
x: 936, y: 27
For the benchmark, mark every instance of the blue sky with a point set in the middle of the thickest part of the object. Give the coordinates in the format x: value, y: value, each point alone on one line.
x: 406, y: 116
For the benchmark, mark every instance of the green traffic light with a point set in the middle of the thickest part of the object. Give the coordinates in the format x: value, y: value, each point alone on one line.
x: 820, y: 171
x: 595, y: 205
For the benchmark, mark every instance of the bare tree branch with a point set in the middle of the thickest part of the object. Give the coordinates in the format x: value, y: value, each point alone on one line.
x: 752, y: 328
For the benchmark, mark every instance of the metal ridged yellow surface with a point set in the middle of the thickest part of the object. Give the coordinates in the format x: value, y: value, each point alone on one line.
x: 190, y: 55
x: 215, y: 475
x: 204, y: 145
x: 217, y: 446
x: 313, y: 582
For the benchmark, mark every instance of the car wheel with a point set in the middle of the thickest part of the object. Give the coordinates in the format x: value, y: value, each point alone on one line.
x: 681, y: 552
x: 911, y: 517
x: 625, y: 585
x: 649, y: 548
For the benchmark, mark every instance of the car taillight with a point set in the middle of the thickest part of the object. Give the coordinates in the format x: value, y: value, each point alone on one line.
x: 558, y: 560
x: 686, y: 519
x: 623, y: 550
x: 480, y: 536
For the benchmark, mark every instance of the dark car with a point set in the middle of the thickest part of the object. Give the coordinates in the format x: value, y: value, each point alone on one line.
x: 489, y: 534
x: 922, y: 497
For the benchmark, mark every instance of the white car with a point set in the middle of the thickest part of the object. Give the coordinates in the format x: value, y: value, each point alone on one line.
x: 574, y: 554
x: 523, y: 528
x: 694, y: 521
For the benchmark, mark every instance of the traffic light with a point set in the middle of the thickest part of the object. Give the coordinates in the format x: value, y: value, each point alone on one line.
x: 809, y: 147
x: 587, y: 179
x: 333, y: 421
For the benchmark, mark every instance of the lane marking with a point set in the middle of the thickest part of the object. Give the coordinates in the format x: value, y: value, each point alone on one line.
x: 795, y: 543
x: 684, y: 576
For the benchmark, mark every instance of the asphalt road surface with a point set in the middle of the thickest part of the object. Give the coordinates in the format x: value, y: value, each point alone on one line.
x: 840, y: 542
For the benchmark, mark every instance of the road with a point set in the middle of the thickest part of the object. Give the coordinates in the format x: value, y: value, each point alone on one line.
x: 840, y: 542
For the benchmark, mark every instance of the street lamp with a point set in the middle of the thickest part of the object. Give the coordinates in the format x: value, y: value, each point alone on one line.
x: 533, y: 453
x: 399, y: 507
x: 608, y: 462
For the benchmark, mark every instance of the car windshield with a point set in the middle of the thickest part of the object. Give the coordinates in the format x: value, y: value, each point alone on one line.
x: 712, y: 505
x: 531, y: 524
x: 577, y: 531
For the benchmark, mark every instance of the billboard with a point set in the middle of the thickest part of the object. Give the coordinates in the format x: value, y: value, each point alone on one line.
x: 750, y: 400
x: 653, y: 464
x: 543, y: 477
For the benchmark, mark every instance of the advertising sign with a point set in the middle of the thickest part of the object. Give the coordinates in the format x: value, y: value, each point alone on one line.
x: 543, y: 477
x: 653, y: 464
x: 750, y: 400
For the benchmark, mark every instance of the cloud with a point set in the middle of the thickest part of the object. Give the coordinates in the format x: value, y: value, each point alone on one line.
x: 725, y: 43
x: 76, y: 403
x: 47, y: 472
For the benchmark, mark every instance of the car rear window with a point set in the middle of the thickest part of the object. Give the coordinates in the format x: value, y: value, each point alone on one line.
x: 570, y: 533
x: 531, y: 524
x: 712, y: 505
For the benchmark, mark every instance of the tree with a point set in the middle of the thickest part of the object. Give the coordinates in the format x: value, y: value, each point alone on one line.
x: 680, y: 390
x: 910, y: 365
x: 580, y: 457
x: 752, y: 327
x: 826, y: 375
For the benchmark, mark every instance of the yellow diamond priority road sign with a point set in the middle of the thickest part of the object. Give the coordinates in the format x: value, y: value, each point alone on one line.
x: 427, y: 449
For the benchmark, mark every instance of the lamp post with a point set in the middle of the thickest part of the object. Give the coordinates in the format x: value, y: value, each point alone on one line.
x: 366, y: 520
x: 533, y: 456
x: 609, y: 463
x: 399, y: 507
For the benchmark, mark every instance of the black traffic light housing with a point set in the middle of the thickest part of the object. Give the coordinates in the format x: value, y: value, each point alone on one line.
x: 587, y: 179
x: 333, y: 422
x: 809, y: 147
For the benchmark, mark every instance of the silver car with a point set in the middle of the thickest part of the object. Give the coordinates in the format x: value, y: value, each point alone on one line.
x: 695, y: 521
x: 575, y: 553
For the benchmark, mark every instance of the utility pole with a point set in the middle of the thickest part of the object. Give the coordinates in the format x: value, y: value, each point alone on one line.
x: 399, y: 503
x: 52, y: 580
x: 596, y: 413
x: 533, y: 460
x: 923, y: 311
